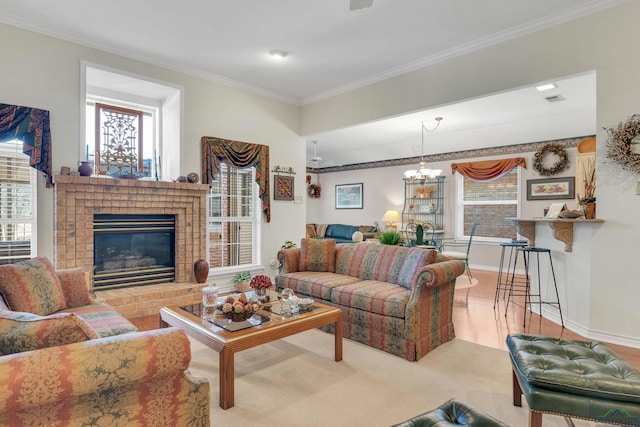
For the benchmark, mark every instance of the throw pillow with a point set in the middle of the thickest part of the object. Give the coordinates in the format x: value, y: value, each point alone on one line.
x: 317, y: 255
x: 26, y: 331
x: 76, y: 283
x: 311, y: 230
x: 321, y: 229
x: 32, y: 286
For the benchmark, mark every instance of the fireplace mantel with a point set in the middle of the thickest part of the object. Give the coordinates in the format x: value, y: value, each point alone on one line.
x: 78, y: 198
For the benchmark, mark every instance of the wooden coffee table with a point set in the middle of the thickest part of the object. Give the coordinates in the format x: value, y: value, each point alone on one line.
x: 227, y: 343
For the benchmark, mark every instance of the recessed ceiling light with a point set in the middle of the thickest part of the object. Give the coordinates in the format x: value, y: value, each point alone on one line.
x: 547, y: 86
x: 278, y: 54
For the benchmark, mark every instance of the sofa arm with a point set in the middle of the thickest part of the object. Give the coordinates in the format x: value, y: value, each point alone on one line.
x: 288, y: 260
x: 439, y: 273
x: 429, y: 312
x: 123, y: 376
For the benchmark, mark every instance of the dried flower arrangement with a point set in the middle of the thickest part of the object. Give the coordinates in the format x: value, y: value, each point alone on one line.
x: 260, y: 282
x: 589, y: 178
x: 619, y: 143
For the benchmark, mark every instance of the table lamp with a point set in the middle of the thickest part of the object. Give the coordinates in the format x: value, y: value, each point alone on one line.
x: 391, y: 217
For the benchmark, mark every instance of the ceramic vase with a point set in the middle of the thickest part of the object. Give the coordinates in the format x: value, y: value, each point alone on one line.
x: 201, y: 270
x: 589, y: 210
x: 85, y: 168
x: 262, y: 295
x: 419, y: 234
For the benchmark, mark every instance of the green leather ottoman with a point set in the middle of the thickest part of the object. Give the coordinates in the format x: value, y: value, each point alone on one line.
x: 452, y: 413
x: 579, y: 379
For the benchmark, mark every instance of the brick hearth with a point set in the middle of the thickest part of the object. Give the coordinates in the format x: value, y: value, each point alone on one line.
x: 78, y: 198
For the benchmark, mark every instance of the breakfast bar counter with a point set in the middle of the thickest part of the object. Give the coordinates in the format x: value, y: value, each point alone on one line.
x: 571, y: 242
x: 562, y: 228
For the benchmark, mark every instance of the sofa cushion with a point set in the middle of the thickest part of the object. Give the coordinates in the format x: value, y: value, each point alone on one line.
x: 32, y: 286
x: 313, y: 284
x: 317, y: 255
x: 75, y: 284
x: 321, y: 229
x: 103, y: 319
x: 373, y: 296
x: 340, y: 231
x: 384, y: 263
x: 26, y: 331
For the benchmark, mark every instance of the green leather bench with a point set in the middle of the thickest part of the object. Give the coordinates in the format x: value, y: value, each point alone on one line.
x: 452, y: 413
x: 574, y: 379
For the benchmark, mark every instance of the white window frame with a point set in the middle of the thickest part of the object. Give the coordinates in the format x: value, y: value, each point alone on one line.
x: 460, y: 204
x: 255, y: 267
x: 135, y: 91
x: 32, y: 220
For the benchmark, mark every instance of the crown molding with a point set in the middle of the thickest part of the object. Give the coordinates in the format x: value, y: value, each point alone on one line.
x: 512, y: 33
x: 191, y: 71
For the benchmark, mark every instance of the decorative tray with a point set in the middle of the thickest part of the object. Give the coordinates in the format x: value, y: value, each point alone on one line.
x: 231, y: 326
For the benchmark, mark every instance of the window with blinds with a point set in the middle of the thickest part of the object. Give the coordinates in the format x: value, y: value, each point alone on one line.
x: 234, y: 218
x: 17, y: 204
x: 488, y: 203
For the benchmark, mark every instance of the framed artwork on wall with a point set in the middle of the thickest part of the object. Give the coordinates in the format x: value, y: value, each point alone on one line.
x: 282, y: 187
x: 349, y: 196
x: 551, y: 188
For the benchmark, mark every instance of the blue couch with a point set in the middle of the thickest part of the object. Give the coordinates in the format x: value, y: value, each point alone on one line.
x: 341, y: 233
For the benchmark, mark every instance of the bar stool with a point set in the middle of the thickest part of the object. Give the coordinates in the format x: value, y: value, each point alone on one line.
x: 508, y: 274
x: 526, y: 257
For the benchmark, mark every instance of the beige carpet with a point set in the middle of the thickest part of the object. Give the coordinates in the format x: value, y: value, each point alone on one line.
x: 295, y: 382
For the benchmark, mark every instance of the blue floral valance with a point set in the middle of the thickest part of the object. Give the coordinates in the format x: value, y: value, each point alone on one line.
x: 31, y: 126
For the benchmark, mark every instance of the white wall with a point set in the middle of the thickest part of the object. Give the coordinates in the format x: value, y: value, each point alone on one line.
x: 603, y: 42
x: 42, y: 72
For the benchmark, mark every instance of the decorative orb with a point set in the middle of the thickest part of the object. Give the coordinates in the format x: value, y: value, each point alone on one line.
x: 357, y: 237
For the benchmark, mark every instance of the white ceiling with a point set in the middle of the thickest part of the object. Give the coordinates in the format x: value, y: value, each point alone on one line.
x: 331, y: 50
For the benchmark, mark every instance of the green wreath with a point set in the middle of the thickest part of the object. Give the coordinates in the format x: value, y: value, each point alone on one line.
x: 554, y: 149
x: 619, y: 143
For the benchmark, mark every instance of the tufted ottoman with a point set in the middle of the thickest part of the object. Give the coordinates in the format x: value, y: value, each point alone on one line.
x: 452, y: 413
x: 582, y: 379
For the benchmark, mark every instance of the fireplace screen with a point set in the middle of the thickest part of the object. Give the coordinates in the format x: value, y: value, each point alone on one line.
x: 133, y: 250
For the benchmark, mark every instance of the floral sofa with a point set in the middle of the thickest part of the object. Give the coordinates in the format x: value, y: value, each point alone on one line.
x: 66, y: 360
x: 393, y: 298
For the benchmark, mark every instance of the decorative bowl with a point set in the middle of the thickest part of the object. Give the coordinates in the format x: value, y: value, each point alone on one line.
x: 305, y: 303
x: 570, y: 214
x: 118, y: 174
x: 238, y: 310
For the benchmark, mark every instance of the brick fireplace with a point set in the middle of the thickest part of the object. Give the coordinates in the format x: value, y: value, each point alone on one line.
x: 78, y: 198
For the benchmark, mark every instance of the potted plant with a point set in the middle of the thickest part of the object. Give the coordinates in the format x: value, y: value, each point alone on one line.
x: 288, y: 245
x: 242, y: 281
x: 390, y: 237
x: 261, y: 284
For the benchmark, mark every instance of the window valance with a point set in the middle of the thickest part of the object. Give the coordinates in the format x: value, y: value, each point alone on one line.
x: 487, y: 170
x: 237, y: 154
x: 31, y: 126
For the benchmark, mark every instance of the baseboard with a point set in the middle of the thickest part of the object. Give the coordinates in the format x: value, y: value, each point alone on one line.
x: 607, y: 337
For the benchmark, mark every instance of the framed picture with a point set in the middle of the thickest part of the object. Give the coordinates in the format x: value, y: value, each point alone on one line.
x: 349, y: 196
x: 282, y: 187
x: 551, y: 188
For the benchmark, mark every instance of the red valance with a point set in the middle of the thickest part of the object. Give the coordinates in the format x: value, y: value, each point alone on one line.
x: 240, y: 155
x: 487, y: 170
x: 31, y: 126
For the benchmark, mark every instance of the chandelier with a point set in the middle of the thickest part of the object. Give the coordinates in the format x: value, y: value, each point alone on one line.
x: 423, y: 172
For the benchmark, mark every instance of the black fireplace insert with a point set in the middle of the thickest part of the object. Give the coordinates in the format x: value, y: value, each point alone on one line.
x: 133, y: 250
